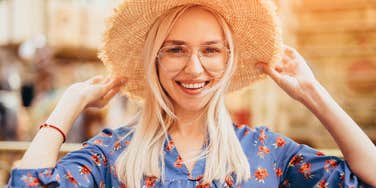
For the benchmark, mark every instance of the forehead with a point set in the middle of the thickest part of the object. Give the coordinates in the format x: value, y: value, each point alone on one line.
x: 196, y: 26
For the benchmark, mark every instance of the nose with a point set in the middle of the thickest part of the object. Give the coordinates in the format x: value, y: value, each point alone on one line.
x: 194, y: 65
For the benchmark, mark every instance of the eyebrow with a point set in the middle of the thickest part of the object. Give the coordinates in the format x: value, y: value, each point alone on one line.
x: 180, y: 42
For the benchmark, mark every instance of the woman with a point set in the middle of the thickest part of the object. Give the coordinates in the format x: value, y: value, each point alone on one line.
x: 184, y: 136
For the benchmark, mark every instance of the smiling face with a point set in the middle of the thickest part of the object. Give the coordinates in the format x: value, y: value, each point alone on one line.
x: 196, y: 41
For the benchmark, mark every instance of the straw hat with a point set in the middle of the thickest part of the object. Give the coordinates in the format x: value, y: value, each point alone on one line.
x: 255, y: 26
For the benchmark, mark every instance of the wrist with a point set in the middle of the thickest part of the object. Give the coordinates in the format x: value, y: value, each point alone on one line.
x: 65, y: 113
x: 316, y: 98
x: 56, y: 128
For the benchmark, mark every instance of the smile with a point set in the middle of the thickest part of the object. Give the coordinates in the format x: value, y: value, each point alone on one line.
x: 193, y: 88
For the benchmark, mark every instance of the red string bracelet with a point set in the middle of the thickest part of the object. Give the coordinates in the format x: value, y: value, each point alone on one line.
x: 54, y: 127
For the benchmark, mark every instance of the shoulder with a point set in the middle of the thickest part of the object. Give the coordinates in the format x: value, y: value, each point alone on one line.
x: 110, y: 136
x: 111, y: 142
x: 262, y: 139
x: 260, y: 134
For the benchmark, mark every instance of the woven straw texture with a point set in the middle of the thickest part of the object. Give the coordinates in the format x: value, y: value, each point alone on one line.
x: 256, y: 31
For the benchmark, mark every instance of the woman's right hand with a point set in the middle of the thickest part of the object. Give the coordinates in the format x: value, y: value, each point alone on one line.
x: 95, y: 92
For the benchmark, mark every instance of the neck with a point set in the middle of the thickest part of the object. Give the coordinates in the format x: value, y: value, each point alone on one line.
x: 189, y: 123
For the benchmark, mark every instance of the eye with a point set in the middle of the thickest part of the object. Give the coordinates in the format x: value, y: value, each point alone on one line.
x: 174, y: 50
x: 211, y: 50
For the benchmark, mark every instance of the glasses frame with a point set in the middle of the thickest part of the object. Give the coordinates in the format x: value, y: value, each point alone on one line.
x: 193, y: 50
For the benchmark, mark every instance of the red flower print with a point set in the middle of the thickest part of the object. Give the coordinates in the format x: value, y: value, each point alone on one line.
x: 278, y: 172
x: 179, y: 162
x: 330, y: 164
x: 262, y: 137
x: 46, y: 173
x: 279, y: 142
x: 342, y: 179
x: 150, y: 181
x: 71, y: 179
x: 203, y: 185
x: 319, y: 153
x: 99, y: 142
x: 296, y: 160
x: 261, y: 174
x: 262, y: 150
x: 286, y: 183
x: 117, y: 145
x: 84, y: 170
x: 305, y: 169
x: 84, y: 145
x: 237, y: 125
x: 322, y: 184
x: 170, y: 145
x: 229, y: 181
x: 127, y: 142
x: 104, y: 160
x: 246, y: 132
x: 95, y: 158
x: 198, y: 178
x: 30, y: 180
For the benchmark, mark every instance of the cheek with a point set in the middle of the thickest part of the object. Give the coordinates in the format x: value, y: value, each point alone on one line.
x: 166, y: 82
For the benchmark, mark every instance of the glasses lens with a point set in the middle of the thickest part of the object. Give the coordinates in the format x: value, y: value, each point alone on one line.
x: 212, y: 57
x: 174, y: 58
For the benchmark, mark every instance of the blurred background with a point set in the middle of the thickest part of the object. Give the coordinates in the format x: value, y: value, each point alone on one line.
x: 46, y: 45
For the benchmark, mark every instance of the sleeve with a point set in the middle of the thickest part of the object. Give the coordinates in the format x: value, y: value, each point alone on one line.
x: 299, y: 165
x: 87, y: 167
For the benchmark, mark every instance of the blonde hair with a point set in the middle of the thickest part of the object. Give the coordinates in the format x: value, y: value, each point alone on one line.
x: 144, y: 155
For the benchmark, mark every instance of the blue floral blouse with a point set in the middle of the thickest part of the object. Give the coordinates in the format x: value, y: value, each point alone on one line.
x: 275, y: 161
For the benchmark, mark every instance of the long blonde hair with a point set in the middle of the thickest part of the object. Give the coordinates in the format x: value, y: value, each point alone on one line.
x: 144, y: 155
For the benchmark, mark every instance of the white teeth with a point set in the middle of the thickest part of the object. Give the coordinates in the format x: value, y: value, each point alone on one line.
x: 193, y: 86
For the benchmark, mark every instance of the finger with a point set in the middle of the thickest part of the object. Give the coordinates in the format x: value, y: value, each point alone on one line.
x: 114, y: 83
x: 95, y: 79
x: 285, y: 60
x: 111, y: 94
x: 107, y: 79
x: 105, y: 99
x: 278, y: 68
x: 289, y: 51
x: 270, y: 71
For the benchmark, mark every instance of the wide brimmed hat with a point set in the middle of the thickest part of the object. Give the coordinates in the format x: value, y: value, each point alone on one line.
x: 255, y: 25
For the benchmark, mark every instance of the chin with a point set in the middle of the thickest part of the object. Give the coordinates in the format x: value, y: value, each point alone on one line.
x: 192, y: 105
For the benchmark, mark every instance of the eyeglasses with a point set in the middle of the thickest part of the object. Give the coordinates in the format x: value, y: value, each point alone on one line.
x: 213, y: 57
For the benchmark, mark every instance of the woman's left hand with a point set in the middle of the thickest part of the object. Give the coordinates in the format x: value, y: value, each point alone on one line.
x: 292, y: 74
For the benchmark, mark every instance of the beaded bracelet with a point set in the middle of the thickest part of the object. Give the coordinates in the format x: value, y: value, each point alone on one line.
x: 54, y: 127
